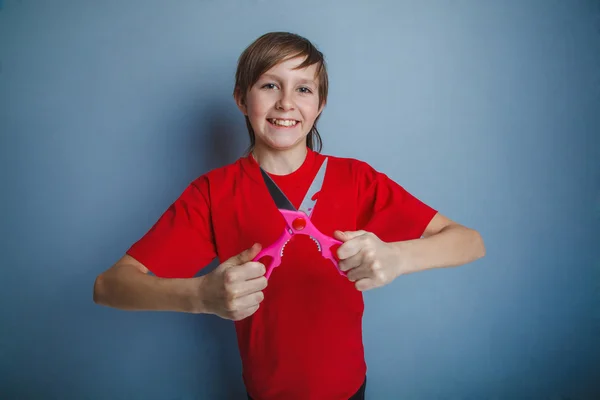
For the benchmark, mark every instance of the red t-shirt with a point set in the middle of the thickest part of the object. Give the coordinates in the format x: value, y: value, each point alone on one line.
x: 305, y: 340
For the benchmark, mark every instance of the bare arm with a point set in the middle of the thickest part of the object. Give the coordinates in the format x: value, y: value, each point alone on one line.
x: 232, y: 291
x: 371, y: 263
x: 445, y: 243
x: 128, y: 286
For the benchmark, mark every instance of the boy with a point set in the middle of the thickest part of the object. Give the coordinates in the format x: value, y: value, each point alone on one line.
x: 300, y: 331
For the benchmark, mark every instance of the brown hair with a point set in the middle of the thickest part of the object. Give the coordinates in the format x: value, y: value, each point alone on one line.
x: 266, y: 52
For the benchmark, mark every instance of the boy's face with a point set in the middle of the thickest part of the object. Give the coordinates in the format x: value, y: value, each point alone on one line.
x: 282, y: 105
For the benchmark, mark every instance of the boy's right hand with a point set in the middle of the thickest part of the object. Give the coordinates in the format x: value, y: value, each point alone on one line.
x: 234, y: 289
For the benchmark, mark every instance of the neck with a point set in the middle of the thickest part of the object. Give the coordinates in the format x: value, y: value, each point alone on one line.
x: 280, y: 162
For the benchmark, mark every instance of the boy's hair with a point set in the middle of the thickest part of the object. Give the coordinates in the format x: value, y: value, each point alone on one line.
x: 266, y: 52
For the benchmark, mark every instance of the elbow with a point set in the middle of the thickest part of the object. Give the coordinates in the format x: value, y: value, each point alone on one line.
x: 479, y: 245
x: 99, y: 290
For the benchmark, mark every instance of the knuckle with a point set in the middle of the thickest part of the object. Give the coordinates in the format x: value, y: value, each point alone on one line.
x: 369, y: 254
x: 230, y: 305
x: 233, y: 291
x: 380, y: 276
x: 227, y: 289
x: 229, y: 276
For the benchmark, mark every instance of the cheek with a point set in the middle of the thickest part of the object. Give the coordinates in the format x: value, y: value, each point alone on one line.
x: 310, y: 108
x: 256, y: 107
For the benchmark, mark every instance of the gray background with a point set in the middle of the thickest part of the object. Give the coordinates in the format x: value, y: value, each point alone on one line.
x: 488, y: 111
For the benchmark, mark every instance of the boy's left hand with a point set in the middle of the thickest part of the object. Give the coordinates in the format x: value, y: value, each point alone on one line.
x: 369, y: 261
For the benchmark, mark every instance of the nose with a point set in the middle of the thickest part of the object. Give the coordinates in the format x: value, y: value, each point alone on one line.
x: 285, y: 101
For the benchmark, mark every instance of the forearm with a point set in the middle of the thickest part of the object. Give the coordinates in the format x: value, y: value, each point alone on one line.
x: 127, y: 288
x: 452, y: 246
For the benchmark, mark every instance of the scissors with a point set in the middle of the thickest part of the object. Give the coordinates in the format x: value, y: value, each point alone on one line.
x: 297, y: 222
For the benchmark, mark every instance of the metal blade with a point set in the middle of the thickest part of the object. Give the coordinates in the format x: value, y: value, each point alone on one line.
x: 308, y: 204
x: 281, y: 201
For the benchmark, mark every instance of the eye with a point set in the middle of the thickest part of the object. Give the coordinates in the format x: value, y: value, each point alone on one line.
x: 304, y: 89
x: 269, y: 86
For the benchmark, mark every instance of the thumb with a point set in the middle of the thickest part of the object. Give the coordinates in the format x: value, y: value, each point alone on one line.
x: 246, y: 255
x: 347, y: 235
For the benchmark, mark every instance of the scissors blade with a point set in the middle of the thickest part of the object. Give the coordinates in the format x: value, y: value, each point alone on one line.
x: 308, y: 204
x: 281, y: 201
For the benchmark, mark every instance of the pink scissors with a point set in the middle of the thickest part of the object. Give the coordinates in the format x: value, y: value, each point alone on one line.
x: 297, y: 223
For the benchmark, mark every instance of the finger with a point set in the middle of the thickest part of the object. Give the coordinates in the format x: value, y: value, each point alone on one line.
x: 350, y: 248
x: 365, y: 284
x: 351, y: 262
x: 249, y: 301
x: 245, y: 313
x: 344, y: 236
x: 244, y: 272
x: 244, y: 288
x: 246, y: 255
x: 356, y: 274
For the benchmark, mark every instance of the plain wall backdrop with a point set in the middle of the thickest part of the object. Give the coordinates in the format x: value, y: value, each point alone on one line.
x: 488, y: 111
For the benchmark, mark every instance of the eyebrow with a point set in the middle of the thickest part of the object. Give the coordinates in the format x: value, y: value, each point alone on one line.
x: 302, y: 81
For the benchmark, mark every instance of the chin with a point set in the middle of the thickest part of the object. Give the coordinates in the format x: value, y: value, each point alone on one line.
x: 283, y: 143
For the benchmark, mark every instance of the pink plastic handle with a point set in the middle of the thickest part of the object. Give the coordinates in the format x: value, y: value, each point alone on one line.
x: 273, y: 251
x: 327, y: 243
x: 298, y: 224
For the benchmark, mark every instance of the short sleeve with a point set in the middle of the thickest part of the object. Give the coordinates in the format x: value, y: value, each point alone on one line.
x: 181, y: 242
x: 388, y: 210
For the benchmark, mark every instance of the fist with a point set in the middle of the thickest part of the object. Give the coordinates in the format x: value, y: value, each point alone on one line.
x: 234, y: 289
x: 366, y: 259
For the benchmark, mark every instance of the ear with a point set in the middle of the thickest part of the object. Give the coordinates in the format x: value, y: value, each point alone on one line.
x: 239, y: 100
x: 321, y: 109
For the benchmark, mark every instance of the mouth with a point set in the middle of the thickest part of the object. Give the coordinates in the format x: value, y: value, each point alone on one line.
x: 282, y: 123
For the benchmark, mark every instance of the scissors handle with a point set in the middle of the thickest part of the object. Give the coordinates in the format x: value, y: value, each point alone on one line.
x: 327, y: 248
x: 298, y: 223
x: 273, y: 251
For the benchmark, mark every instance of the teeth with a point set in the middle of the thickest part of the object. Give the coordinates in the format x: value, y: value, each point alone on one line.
x: 283, y: 122
x: 314, y: 240
x: 282, y: 249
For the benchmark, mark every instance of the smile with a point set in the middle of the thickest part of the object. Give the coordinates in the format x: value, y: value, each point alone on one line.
x: 282, y: 122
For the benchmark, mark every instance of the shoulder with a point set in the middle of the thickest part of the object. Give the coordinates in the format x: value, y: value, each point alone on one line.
x: 221, y: 183
x: 354, y: 168
x: 202, y: 188
x: 364, y: 177
x: 219, y: 176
